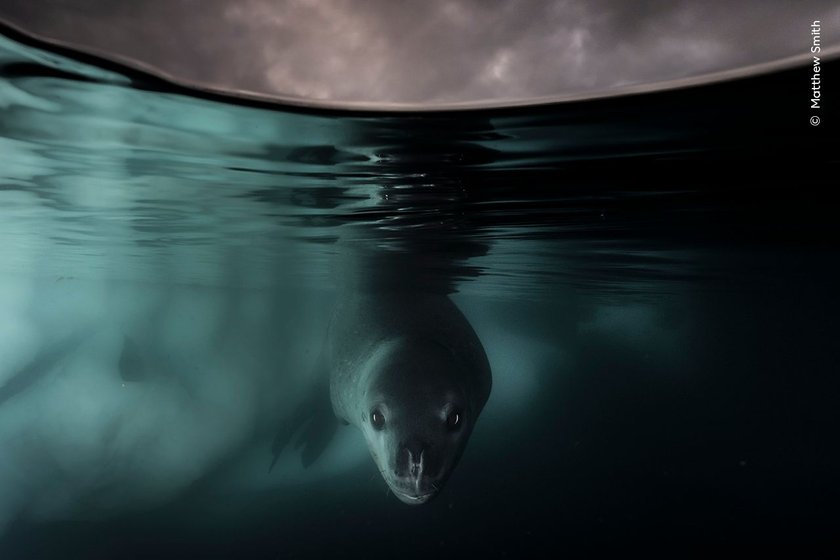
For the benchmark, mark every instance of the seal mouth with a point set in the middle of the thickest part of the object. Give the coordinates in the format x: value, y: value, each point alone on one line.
x: 411, y: 498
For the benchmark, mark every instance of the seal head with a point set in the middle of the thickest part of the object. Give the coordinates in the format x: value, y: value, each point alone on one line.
x: 416, y: 416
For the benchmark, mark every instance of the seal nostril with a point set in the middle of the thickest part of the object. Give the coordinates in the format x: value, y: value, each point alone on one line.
x: 415, y: 450
x: 414, y: 456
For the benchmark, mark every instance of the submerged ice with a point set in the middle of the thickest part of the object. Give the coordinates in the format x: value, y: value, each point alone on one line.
x: 81, y: 439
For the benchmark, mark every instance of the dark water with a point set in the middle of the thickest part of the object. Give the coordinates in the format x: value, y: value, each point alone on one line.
x: 653, y: 278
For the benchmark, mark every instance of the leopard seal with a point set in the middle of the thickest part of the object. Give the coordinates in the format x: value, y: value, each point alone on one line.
x: 400, y: 362
x: 409, y: 371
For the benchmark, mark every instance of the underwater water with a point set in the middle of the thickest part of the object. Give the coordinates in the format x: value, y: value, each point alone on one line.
x: 652, y: 279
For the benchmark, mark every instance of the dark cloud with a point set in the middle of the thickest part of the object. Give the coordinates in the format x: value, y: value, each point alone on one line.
x: 440, y: 51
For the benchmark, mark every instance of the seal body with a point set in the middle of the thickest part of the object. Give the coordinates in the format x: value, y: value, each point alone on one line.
x: 409, y: 371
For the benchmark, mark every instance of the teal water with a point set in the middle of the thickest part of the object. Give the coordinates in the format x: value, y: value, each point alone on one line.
x: 652, y: 278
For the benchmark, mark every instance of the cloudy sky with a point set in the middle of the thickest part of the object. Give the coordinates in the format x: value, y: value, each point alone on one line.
x: 433, y: 51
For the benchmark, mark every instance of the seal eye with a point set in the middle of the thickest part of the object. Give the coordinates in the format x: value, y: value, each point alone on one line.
x: 377, y: 419
x: 454, y: 420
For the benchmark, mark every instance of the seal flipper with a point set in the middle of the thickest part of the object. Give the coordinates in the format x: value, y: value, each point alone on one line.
x: 317, y: 437
x: 281, y: 440
x: 315, y: 425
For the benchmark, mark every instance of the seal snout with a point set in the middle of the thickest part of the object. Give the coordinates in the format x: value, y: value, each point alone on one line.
x: 411, y: 460
x: 415, y: 458
x: 411, y: 482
